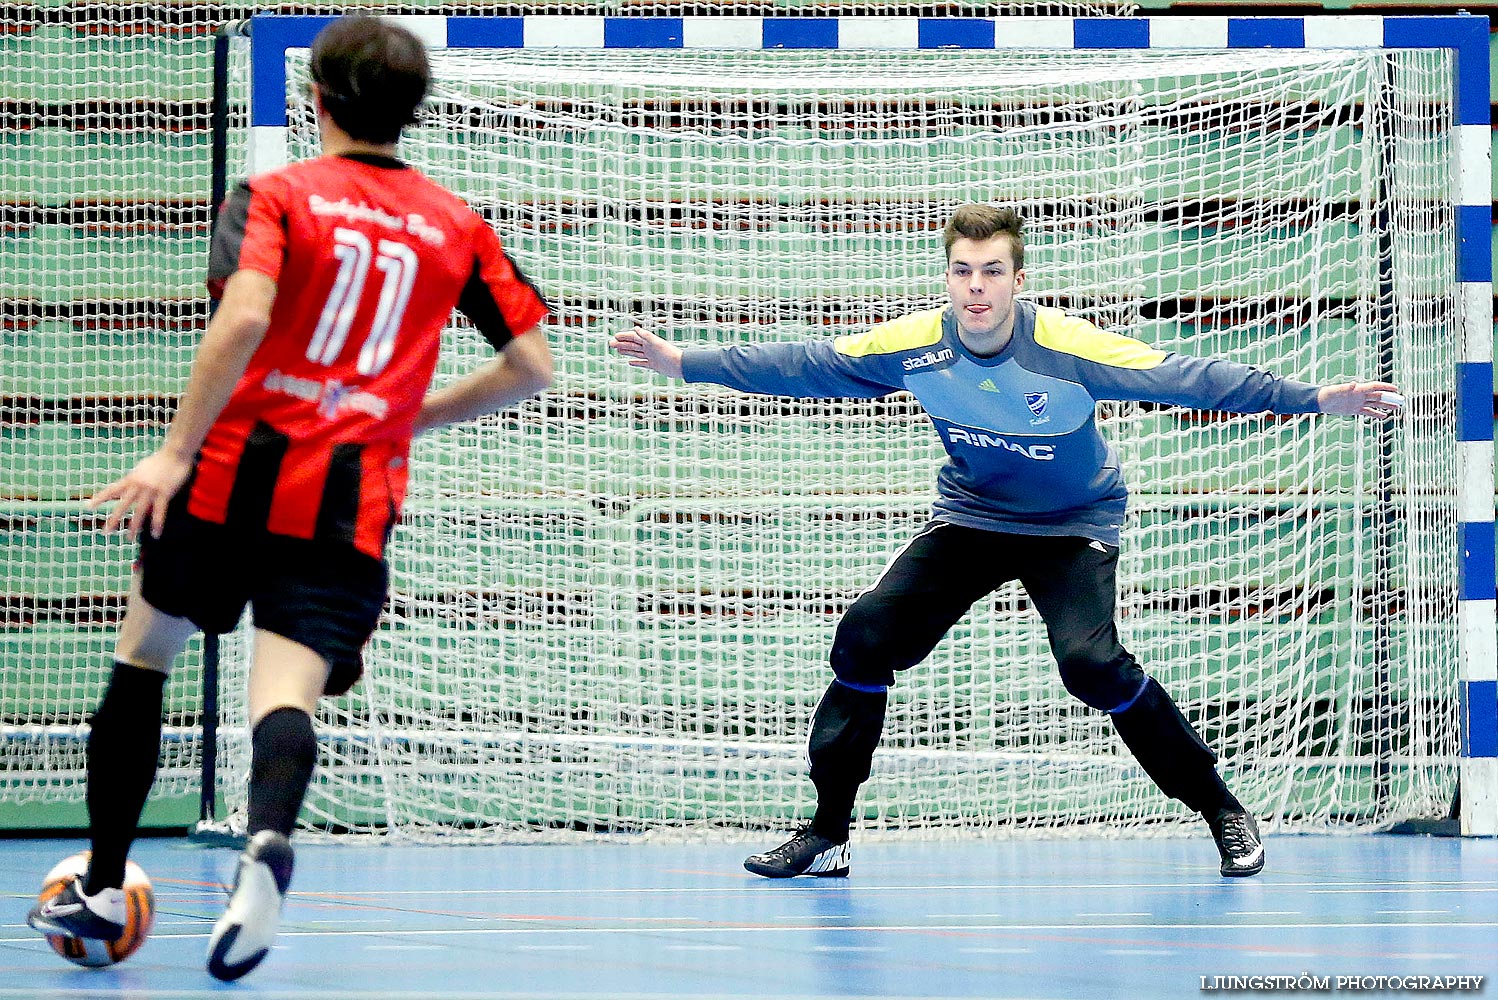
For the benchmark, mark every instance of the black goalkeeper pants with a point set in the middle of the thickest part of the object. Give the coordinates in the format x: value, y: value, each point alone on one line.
x: 933, y: 581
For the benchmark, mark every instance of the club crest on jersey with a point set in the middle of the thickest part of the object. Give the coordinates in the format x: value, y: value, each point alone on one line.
x: 1036, y: 401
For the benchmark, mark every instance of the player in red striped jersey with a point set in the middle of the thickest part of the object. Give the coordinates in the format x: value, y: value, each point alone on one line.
x: 284, y: 468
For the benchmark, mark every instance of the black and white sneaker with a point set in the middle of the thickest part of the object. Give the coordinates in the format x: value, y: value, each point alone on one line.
x: 72, y: 913
x: 1238, y: 843
x: 243, y: 935
x: 806, y: 853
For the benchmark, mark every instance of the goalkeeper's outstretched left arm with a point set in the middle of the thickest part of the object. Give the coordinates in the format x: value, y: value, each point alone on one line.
x: 1361, y: 399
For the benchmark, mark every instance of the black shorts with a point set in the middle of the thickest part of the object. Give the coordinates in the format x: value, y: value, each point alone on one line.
x: 325, y: 595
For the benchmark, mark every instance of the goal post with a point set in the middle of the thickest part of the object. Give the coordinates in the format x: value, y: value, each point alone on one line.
x: 611, y: 608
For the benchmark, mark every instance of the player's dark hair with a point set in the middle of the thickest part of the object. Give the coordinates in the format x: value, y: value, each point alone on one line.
x: 372, y: 76
x: 984, y: 222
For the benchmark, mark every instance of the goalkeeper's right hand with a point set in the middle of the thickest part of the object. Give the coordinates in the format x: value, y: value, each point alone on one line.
x: 643, y: 349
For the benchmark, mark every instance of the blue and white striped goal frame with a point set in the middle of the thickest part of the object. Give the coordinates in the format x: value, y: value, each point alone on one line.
x: 1471, y: 192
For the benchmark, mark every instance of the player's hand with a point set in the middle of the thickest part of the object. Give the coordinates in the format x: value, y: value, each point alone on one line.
x: 643, y: 349
x: 1361, y: 399
x: 143, y: 493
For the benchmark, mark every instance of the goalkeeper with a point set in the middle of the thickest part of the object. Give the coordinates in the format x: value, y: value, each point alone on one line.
x: 1030, y: 492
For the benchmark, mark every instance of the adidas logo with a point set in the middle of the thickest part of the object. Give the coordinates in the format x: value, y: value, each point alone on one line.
x: 987, y: 385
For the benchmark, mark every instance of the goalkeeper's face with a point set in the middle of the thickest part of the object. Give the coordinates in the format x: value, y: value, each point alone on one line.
x: 981, y: 282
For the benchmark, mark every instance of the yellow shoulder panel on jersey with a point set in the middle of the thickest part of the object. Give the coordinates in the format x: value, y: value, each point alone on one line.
x: 920, y: 329
x: 1074, y: 335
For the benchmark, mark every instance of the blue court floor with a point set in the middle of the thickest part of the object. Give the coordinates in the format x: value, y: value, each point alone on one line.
x: 1019, y: 918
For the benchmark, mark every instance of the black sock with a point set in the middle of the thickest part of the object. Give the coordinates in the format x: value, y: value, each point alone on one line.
x: 124, y: 745
x: 844, y: 734
x: 283, y: 751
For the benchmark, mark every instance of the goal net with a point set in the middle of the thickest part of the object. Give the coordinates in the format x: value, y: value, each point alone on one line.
x: 611, y: 607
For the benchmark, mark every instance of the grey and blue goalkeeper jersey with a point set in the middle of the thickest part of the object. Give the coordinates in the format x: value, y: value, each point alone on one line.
x: 1023, y: 449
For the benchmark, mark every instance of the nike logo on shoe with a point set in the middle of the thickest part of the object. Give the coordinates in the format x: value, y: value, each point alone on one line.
x: 1250, y: 859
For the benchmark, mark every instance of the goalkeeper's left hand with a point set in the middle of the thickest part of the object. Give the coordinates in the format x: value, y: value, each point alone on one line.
x: 1361, y: 399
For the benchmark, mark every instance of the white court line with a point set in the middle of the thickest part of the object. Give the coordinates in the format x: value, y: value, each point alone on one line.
x: 1410, y: 887
x: 1413, y: 912
x: 114, y: 993
x: 745, y: 929
x: 737, y: 886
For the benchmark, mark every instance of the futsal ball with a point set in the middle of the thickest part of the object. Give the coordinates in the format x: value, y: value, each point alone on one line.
x: 140, y: 913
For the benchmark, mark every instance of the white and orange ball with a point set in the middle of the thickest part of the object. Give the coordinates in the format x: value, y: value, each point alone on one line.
x: 140, y: 914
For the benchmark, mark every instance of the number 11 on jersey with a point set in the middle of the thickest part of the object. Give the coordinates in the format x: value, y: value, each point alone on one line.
x: 397, y: 262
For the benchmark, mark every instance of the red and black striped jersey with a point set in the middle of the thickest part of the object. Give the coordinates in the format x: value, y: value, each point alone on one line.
x: 370, y: 257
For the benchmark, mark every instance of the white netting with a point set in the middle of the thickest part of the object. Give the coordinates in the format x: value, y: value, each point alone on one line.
x: 103, y: 226
x: 611, y: 609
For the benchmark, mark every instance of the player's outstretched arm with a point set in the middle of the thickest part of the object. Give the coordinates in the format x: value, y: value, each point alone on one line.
x: 643, y: 349
x: 236, y: 331
x: 1361, y: 399
x: 523, y: 369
